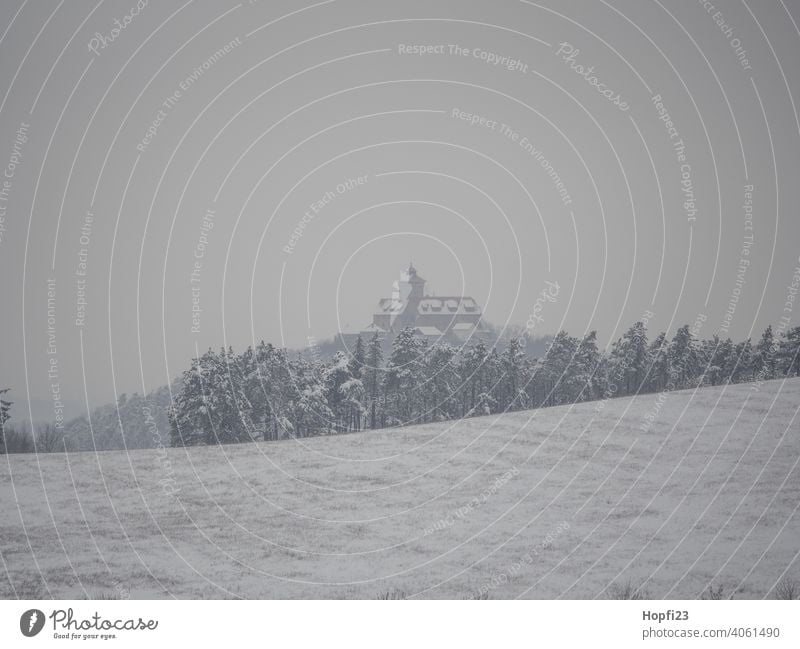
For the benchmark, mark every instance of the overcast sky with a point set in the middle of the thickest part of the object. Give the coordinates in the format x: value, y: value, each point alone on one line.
x: 295, y: 156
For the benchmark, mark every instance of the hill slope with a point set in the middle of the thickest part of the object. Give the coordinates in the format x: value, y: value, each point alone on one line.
x: 670, y: 492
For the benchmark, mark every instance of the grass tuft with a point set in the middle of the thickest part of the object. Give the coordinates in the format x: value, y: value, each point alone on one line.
x: 479, y: 595
x: 627, y: 591
x: 787, y: 589
x: 392, y: 594
x: 715, y: 593
x: 104, y: 595
x: 31, y: 589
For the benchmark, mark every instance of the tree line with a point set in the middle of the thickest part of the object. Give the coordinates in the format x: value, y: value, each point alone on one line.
x: 134, y: 421
x: 20, y: 439
x: 265, y: 393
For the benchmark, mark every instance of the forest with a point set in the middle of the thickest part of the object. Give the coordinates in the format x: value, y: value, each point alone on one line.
x: 265, y: 394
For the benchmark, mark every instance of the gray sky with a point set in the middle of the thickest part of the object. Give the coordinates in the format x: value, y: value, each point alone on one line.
x: 258, y: 126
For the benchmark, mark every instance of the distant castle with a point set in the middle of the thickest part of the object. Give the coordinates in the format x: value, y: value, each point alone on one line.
x: 448, y: 318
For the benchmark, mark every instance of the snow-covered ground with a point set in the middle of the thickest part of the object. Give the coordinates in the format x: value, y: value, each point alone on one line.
x: 671, y: 493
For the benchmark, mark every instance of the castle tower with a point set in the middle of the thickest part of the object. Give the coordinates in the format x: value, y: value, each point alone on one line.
x: 409, y: 287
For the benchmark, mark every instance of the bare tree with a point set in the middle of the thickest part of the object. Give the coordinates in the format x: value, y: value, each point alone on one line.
x: 49, y: 439
x: 5, y: 408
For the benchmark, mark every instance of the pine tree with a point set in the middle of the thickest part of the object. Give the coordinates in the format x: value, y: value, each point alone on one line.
x: 716, y: 360
x: 743, y: 366
x: 269, y: 388
x: 709, y: 353
x: 257, y: 387
x: 336, y: 375
x: 253, y: 388
x: 489, y: 398
x: 513, y: 377
x: 535, y: 388
x: 354, y: 391
x: 358, y: 358
x: 586, y: 383
x: 617, y: 368
x: 631, y: 358
x: 231, y: 407
x: 726, y: 360
x: 472, y: 376
x: 210, y: 387
x: 766, y: 354
x: 659, y: 373
x: 353, y: 403
x: 684, y: 365
x: 188, y: 415
x: 790, y: 352
x: 309, y: 411
x: 372, y: 379
x: 558, y: 369
x: 402, y: 371
x: 284, y: 393
x: 440, y: 380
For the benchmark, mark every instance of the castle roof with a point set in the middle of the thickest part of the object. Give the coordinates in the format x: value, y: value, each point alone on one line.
x: 451, y: 304
x: 430, y: 315
x: 446, y: 305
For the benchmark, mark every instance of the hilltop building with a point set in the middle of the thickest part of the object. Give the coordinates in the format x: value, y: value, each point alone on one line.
x: 452, y: 318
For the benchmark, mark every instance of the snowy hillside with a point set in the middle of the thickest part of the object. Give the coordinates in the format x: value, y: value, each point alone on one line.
x: 668, y: 492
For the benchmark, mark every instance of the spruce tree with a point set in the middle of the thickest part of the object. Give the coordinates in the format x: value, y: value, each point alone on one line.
x: 5, y: 415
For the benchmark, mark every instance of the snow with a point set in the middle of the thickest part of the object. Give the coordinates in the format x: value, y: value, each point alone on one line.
x: 669, y: 492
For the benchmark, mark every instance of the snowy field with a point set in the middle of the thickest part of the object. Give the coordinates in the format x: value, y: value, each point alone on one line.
x: 668, y: 493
